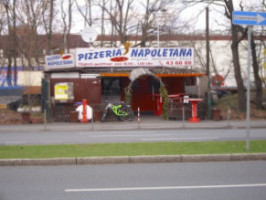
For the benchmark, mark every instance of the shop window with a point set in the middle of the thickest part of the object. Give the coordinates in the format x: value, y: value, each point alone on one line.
x: 146, y: 84
x: 190, y: 81
x: 154, y: 85
x: 111, y: 86
x: 135, y: 85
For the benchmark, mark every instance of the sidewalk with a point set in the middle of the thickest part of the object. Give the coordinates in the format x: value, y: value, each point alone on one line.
x: 147, y: 122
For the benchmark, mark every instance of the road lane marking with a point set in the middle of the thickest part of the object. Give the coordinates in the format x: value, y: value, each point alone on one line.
x: 179, y: 139
x: 135, y: 135
x: 13, y: 142
x: 165, y: 188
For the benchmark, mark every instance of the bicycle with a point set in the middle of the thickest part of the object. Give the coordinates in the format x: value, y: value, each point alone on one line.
x: 122, y: 111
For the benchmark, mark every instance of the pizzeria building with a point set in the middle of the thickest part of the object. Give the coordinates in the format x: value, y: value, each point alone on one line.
x: 133, y: 75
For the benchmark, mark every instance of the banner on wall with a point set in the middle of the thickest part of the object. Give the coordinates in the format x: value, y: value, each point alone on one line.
x: 59, y: 61
x: 134, y: 57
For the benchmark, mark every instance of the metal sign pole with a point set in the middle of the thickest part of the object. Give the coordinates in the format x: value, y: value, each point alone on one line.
x: 248, y: 91
x: 208, y: 63
x: 250, y: 19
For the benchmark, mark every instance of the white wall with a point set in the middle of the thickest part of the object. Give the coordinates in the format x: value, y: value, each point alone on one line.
x: 30, y: 78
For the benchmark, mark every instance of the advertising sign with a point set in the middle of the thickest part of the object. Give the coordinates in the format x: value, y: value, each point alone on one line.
x: 63, y: 91
x: 59, y: 61
x: 134, y: 57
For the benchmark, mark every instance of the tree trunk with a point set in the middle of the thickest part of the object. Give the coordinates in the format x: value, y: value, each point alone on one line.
x: 70, y: 3
x: 102, y: 24
x: 145, y: 25
x: 237, y: 70
x: 50, y: 29
x: 15, y: 43
x: 258, y: 82
x: 235, y: 54
x: 9, y: 71
x: 10, y: 47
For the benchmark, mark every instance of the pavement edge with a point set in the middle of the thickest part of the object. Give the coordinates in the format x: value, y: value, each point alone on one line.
x: 134, y: 159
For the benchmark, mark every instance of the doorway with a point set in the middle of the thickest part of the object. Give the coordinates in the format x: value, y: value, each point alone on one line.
x: 144, y: 92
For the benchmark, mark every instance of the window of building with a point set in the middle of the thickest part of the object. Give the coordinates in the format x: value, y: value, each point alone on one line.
x: 111, y: 86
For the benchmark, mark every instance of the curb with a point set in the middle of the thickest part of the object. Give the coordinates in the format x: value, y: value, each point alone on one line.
x: 126, y: 127
x: 144, y: 125
x: 134, y: 159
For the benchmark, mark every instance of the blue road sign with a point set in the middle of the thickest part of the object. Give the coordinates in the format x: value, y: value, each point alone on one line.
x: 249, y: 18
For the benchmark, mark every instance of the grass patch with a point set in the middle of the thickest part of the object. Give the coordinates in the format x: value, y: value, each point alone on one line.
x: 130, y: 149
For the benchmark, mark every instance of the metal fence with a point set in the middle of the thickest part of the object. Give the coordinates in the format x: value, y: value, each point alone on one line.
x: 177, y: 110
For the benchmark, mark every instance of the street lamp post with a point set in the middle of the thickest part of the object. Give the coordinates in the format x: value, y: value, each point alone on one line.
x: 158, y: 34
x: 208, y: 63
x: 158, y: 24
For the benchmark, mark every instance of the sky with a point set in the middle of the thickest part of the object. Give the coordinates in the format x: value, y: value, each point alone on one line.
x: 196, y: 16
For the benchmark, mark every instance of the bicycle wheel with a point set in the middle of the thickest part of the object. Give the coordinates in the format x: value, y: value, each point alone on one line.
x: 129, y: 116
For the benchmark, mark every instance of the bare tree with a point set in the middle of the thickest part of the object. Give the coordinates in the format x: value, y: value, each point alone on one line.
x: 129, y: 17
x: 146, y: 23
x: 238, y: 34
x: 157, y: 15
x: 102, y: 22
x: 235, y: 31
x: 2, y: 18
x: 48, y: 17
x: 11, y: 50
x: 2, y: 25
x: 28, y: 42
x: 14, y: 37
x: 235, y: 52
x: 85, y: 11
x: 119, y: 15
x: 256, y: 69
x: 258, y: 81
x: 255, y: 65
x: 67, y: 24
x: 198, y: 46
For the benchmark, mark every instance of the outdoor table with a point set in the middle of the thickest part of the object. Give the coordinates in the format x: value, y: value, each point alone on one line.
x: 177, y: 97
x: 194, y: 118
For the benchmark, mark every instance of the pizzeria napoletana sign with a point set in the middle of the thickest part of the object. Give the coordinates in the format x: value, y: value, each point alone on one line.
x: 134, y: 57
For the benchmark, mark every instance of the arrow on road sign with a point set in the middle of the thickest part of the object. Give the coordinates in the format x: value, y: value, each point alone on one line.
x: 258, y: 19
x: 249, y: 18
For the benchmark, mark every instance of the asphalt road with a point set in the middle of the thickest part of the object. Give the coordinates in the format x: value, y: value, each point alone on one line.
x: 201, y: 181
x: 77, y: 137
